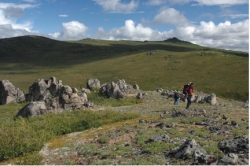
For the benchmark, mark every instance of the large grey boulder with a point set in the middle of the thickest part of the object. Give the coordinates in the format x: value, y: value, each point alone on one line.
x: 238, y: 144
x: 38, y: 90
x: 228, y: 159
x: 211, y: 99
x: 33, y: 109
x: 93, y: 84
x: 8, y: 93
x: 115, y: 90
x: 190, y: 149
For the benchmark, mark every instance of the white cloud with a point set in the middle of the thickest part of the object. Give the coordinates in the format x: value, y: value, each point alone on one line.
x: 170, y: 16
x: 12, y: 5
x: 73, y: 30
x: 6, y: 31
x: 225, y: 35
x: 221, y: 2
x: 116, y: 6
x: 131, y: 31
x: 9, y: 14
x: 63, y: 15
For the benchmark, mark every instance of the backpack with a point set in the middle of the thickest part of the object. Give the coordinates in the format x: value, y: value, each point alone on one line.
x: 185, y: 89
x: 176, y: 95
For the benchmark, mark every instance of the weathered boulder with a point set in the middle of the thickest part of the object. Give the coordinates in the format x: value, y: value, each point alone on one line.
x: 228, y: 159
x: 87, y: 91
x: 211, y: 99
x: 38, y: 90
x: 136, y: 87
x: 190, y: 149
x: 8, y: 93
x: 33, y: 109
x: 114, y: 90
x: 139, y: 96
x: 238, y: 144
x: 70, y: 100
x: 197, y: 99
x: 93, y: 84
x: 122, y: 85
x: 54, y: 86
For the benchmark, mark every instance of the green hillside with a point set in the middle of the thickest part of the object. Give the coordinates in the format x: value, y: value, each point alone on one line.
x: 174, y: 63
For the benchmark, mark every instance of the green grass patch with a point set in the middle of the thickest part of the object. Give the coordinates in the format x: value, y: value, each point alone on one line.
x: 28, y: 135
x: 96, y: 98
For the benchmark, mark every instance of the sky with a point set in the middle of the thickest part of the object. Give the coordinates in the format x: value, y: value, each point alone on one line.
x: 212, y: 23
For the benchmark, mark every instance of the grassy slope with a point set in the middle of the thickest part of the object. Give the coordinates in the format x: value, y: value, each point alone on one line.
x: 25, y: 59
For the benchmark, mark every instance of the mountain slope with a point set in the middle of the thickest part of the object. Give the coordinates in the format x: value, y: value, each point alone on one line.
x: 164, y: 64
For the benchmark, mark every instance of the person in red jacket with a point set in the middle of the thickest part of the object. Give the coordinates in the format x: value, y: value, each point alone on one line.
x: 190, y: 93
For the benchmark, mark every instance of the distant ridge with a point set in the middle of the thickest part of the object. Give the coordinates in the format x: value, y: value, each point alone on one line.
x: 176, y: 40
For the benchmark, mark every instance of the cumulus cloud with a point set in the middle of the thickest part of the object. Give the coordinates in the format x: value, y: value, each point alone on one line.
x: 129, y: 31
x: 72, y: 30
x: 224, y: 35
x: 170, y: 16
x: 9, y: 13
x: 224, y: 2
x: 116, y: 6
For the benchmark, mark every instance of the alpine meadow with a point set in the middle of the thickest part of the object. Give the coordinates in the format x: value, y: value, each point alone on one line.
x: 165, y: 64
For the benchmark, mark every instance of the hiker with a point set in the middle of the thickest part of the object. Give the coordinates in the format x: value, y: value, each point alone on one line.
x: 176, y: 97
x: 189, y: 93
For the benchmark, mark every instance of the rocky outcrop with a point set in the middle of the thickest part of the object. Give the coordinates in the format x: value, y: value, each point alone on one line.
x: 51, y: 96
x: 190, y: 149
x: 9, y: 93
x: 211, y: 99
x: 54, y: 86
x: 70, y: 100
x: 38, y: 90
x: 235, y: 145
x: 115, y: 90
x: 33, y: 109
x: 93, y: 84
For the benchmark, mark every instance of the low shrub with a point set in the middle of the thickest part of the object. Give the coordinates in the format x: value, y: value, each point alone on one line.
x: 28, y: 135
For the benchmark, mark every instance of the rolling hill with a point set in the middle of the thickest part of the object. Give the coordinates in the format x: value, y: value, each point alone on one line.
x: 168, y: 64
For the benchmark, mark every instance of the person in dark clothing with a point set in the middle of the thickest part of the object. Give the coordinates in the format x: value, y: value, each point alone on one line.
x: 190, y: 92
x: 176, y: 97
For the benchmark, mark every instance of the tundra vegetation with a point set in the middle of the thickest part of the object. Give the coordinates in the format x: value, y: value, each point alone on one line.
x: 129, y: 130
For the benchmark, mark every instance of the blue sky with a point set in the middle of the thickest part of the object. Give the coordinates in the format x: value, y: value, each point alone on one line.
x: 212, y: 23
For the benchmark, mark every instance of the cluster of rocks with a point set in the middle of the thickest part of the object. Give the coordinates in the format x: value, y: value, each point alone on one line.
x: 115, y: 90
x: 120, y: 89
x: 235, y: 149
x: 50, y: 95
x: 151, y: 53
x: 46, y: 96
